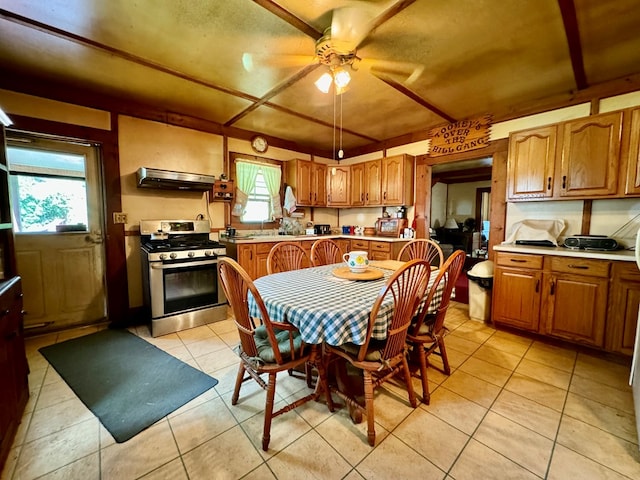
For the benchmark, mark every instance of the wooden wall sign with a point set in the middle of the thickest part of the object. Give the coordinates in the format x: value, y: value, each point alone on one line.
x: 460, y: 137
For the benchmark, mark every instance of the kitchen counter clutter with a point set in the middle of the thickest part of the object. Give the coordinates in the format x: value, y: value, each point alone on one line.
x: 585, y: 297
x: 621, y: 255
x: 252, y: 252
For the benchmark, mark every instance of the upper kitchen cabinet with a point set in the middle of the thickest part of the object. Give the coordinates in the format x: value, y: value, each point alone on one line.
x: 397, y: 180
x: 633, y: 167
x: 309, y: 182
x: 574, y: 159
x: 373, y: 182
x: 338, y: 186
x: 531, y: 163
x: 357, y: 185
x: 590, y: 156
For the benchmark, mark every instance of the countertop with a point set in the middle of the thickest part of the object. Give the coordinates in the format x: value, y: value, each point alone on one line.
x: 620, y: 255
x: 293, y: 238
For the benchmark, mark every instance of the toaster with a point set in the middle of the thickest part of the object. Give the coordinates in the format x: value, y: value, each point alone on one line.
x: 322, y: 229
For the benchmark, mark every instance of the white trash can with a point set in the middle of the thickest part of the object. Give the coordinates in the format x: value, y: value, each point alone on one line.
x: 480, y: 284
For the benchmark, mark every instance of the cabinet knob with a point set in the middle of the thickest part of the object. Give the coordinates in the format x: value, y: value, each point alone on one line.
x: 4, y: 313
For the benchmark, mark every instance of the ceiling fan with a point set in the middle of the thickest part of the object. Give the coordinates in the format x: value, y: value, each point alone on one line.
x: 337, y: 48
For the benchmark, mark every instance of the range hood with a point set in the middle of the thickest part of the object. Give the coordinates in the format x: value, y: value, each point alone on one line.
x: 172, y: 180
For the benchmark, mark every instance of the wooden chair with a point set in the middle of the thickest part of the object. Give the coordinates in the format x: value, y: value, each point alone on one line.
x: 427, y: 332
x: 380, y: 360
x: 285, y: 256
x: 422, y: 248
x: 266, y: 347
x: 325, y: 252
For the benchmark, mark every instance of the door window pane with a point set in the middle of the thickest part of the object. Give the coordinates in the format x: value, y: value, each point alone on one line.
x: 48, y: 190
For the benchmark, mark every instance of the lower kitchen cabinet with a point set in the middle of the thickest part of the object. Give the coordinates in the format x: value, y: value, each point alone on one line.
x: 586, y: 301
x: 517, y: 290
x: 625, y: 300
x: 253, y: 258
x: 576, y: 303
x: 14, y: 386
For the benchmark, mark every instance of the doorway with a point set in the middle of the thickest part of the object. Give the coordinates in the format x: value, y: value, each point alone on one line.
x: 56, y: 199
x: 460, y: 204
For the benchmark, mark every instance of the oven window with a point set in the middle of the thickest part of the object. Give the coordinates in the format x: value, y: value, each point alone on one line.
x: 186, y: 288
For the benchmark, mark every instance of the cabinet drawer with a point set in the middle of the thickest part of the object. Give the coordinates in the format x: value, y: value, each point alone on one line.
x: 379, y: 247
x: 521, y: 260
x: 264, y: 247
x: 580, y: 266
x: 359, y: 244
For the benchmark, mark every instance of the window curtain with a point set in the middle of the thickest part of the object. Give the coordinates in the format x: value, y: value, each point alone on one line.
x: 246, y: 174
x: 272, y: 176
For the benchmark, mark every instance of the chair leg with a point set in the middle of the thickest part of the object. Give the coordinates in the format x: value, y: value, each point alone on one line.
x: 307, y: 373
x: 268, y: 411
x: 407, y: 379
x: 239, y: 378
x: 368, y: 403
x: 423, y: 374
x: 443, y: 354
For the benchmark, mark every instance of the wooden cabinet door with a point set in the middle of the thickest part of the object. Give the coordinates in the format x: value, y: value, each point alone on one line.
x: 344, y: 244
x: 623, y: 308
x: 395, y: 181
x: 318, y: 184
x: 531, y: 161
x: 576, y: 307
x: 303, y: 182
x: 516, y: 297
x: 262, y: 252
x: 247, y: 258
x: 633, y: 165
x: 338, y: 181
x: 373, y: 182
x: 357, y: 184
x: 590, y: 156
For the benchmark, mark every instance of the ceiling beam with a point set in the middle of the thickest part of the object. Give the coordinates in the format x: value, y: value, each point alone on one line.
x: 413, y: 96
x: 570, y: 21
x: 290, y: 18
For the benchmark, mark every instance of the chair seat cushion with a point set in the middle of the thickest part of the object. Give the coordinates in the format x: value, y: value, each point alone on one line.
x: 374, y: 352
x: 265, y: 351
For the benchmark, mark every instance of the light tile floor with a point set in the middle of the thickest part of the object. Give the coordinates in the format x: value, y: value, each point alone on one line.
x: 511, y: 408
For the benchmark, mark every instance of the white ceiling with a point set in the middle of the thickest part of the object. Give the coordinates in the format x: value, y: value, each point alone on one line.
x: 184, y: 57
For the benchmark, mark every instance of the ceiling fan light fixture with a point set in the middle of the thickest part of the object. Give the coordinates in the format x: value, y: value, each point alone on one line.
x: 341, y: 78
x: 324, y: 82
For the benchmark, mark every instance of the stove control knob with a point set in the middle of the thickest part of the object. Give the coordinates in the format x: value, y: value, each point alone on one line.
x: 191, y: 254
x: 163, y: 256
x: 207, y: 253
x: 173, y: 255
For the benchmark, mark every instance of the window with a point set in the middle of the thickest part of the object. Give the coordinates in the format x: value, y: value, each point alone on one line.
x: 258, y: 208
x: 258, y: 184
x: 47, y: 181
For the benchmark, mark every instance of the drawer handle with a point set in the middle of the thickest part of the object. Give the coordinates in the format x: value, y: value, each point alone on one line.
x: 517, y: 260
x: 581, y: 267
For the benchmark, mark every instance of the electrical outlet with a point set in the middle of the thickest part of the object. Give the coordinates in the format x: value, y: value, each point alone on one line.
x: 119, y: 217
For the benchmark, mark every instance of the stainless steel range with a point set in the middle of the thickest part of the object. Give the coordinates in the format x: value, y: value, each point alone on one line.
x: 180, y: 275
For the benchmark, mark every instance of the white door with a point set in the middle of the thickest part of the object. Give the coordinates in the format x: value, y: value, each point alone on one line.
x: 57, y: 205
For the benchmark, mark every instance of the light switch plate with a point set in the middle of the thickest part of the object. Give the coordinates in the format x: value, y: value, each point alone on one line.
x: 119, y: 217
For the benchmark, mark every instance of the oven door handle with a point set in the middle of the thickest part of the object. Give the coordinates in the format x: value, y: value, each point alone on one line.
x: 163, y: 266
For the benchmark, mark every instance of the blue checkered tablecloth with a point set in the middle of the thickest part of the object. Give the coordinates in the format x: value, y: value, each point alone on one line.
x: 323, y: 307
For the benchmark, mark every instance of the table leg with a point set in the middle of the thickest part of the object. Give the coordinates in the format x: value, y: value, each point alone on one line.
x: 349, y: 387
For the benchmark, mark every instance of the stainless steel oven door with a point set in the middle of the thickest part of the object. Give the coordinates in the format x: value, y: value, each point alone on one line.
x: 184, y: 285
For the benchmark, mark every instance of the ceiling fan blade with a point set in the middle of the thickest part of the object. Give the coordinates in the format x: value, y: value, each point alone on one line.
x: 351, y: 24
x: 253, y: 61
x: 406, y: 71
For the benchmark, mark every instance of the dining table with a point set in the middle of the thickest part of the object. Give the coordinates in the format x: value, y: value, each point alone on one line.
x: 327, y: 308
